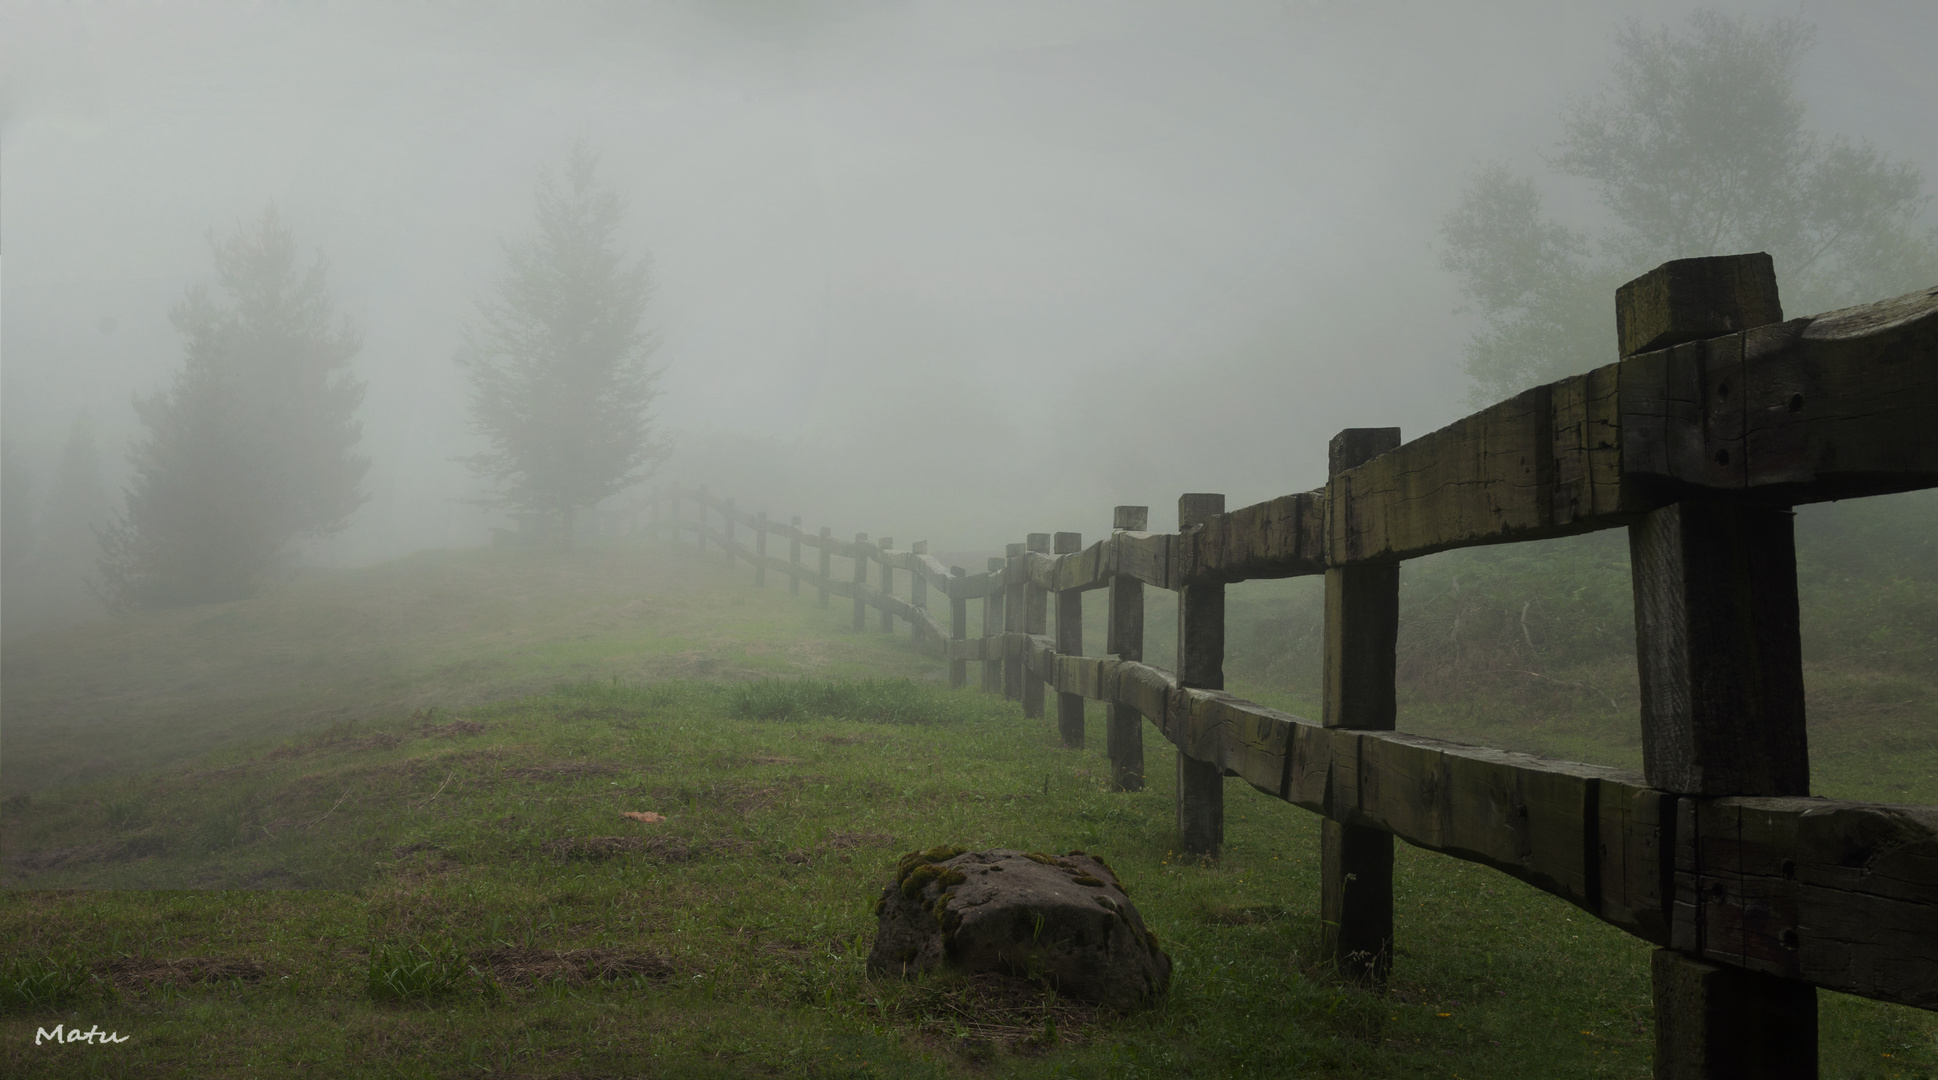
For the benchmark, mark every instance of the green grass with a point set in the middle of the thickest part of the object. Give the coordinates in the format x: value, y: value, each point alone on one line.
x: 440, y: 881
x: 494, y: 910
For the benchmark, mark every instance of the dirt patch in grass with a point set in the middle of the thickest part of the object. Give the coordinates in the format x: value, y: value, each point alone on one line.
x: 671, y: 849
x: 141, y: 972
x: 847, y: 841
x: 561, y: 770
x: 455, y: 728
x: 119, y: 850
x: 527, y: 966
x: 989, y: 1008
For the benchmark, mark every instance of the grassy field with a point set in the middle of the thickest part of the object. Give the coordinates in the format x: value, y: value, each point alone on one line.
x: 432, y: 875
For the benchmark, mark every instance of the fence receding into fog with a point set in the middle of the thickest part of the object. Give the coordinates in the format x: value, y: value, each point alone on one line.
x: 1719, y: 418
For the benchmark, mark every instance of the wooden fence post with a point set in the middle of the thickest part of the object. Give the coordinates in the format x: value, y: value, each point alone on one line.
x: 1069, y: 642
x: 673, y: 506
x: 861, y: 581
x: 1125, y: 739
x: 888, y: 586
x: 760, y: 551
x: 726, y: 518
x: 1718, y: 651
x: 1014, y: 619
x: 1036, y: 623
x: 1201, y: 665
x: 701, y: 532
x: 794, y: 556
x: 958, y: 631
x: 1362, y: 625
x: 827, y: 564
x: 992, y: 625
x: 918, y: 592
x: 652, y: 515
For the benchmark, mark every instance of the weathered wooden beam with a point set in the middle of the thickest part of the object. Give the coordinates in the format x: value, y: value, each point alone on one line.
x: 1125, y: 739
x: 1069, y: 642
x: 1840, y: 895
x: 827, y: 573
x: 1015, y: 618
x: 760, y: 551
x: 861, y: 582
x: 726, y: 527
x: 1716, y: 641
x: 958, y: 632
x: 794, y: 557
x: 1362, y: 625
x: 918, y: 588
x: 1201, y: 666
x: 1036, y: 620
x: 1151, y: 558
x: 992, y: 625
x: 888, y: 584
x: 1283, y: 537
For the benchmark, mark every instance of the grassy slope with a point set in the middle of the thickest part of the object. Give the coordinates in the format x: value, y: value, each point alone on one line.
x: 732, y: 934
x: 451, y: 628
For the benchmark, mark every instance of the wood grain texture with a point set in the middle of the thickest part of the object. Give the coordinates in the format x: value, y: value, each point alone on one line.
x: 1718, y: 650
x: 1201, y: 666
x: 1069, y: 642
x: 958, y: 631
x: 993, y: 619
x: 1015, y: 579
x: 794, y: 557
x: 1124, y: 739
x: 1714, y: 1022
x: 827, y: 573
x: 1036, y: 620
x: 1690, y: 299
x: 1840, y: 895
x: 1362, y: 619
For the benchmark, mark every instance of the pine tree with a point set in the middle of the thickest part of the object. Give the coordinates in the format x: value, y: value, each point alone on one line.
x: 1698, y: 148
x: 559, y: 363
x: 251, y: 446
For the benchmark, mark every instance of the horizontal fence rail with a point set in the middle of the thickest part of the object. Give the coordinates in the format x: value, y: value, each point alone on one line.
x: 1719, y: 418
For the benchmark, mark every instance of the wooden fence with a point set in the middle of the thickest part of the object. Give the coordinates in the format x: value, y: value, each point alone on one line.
x: 1719, y: 418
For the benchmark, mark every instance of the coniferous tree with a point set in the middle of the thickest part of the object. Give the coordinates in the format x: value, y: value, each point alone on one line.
x: 1698, y: 148
x: 251, y: 446
x: 558, y: 361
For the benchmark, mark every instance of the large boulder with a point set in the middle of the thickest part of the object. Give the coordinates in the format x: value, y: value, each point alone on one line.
x: 1064, y: 919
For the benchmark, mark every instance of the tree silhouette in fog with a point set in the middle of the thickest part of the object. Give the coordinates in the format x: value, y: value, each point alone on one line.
x: 1697, y: 148
x: 559, y: 363
x: 251, y: 446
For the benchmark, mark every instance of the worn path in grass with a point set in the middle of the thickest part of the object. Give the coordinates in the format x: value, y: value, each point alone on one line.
x: 451, y: 628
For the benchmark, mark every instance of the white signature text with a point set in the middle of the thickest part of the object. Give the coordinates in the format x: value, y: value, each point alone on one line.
x: 61, y: 1035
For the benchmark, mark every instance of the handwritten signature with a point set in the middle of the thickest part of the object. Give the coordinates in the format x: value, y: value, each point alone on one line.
x: 61, y: 1035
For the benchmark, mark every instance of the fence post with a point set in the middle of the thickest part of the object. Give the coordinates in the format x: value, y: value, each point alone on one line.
x: 1201, y: 665
x: 652, y: 516
x: 1069, y: 642
x: 1362, y: 625
x: 958, y: 630
x: 726, y: 518
x: 827, y: 564
x: 861, y: 581
x: 992, y: 625
x: 1013, y: 619
x: 794, y: 556
x: 1036, y: 623
x: 701, y: 498
x: 888, y: 586
x: 760, y: 551
x: 1717, y: 648
x: 1125, y: 739
x: 918, y: 592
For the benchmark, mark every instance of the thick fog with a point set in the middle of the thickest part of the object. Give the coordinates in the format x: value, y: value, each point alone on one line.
x: 954, y: 270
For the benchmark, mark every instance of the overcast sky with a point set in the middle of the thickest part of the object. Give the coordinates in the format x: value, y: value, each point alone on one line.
x: 958, y: 270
